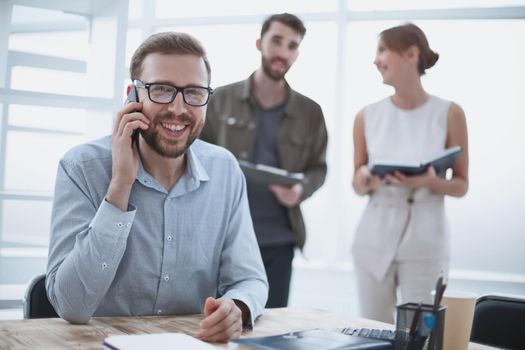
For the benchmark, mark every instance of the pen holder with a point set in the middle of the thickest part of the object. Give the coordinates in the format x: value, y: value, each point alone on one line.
x: 419, y: 326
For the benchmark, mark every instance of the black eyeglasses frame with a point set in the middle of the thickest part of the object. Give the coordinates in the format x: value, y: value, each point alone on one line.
x: 142, y: 85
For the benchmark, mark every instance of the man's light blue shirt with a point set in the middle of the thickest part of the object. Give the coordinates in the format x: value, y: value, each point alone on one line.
x: 166, y: 254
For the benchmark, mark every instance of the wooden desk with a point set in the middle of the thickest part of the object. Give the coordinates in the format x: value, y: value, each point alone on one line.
x: 54, y: 333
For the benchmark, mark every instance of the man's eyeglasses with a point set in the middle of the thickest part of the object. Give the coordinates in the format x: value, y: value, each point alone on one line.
x: 195, y: 96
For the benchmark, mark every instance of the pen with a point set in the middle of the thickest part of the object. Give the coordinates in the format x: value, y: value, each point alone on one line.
x: 437, y: 291
x: 440, y: 296
x: 413, y: 326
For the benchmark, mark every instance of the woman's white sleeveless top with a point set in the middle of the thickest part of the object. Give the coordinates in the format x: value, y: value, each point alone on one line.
x: 402, y: 224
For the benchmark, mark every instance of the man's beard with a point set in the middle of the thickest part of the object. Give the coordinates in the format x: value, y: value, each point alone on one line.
x: 266, y: 65
x: 167, y: 147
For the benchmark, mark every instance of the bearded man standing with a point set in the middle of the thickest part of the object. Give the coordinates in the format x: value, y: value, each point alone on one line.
x: 264, y: 121
x: 151, y: 221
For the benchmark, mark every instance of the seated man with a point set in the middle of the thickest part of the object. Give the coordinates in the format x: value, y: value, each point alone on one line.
x: 155, y: 222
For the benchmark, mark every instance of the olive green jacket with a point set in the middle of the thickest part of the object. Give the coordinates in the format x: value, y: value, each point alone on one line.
x: 231, y: 122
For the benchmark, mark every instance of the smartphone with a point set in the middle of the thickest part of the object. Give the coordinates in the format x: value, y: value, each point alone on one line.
x: 133, y: 97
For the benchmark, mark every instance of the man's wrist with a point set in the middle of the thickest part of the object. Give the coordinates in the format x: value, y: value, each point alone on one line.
x: 118, y: 195
x: 300, y: 189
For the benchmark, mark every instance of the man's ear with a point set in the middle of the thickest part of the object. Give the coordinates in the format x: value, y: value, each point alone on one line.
x: 128, y: 89
x: 295, y: 58
x: 258, y: 44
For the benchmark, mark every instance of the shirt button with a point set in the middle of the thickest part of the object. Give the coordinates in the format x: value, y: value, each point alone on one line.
x: 169, y: 238
x: 104, y: 265
x: 251, y: 126
x: 128, y: 225
x: 159, y: 311
x: 166, y: 278
x: 231, y: 121
x: 120, y: 225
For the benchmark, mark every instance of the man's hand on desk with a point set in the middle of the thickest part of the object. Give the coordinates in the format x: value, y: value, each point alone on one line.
x: 222, y: 320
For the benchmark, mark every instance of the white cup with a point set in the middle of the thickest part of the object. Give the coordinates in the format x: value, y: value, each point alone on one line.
x: 458, y: 319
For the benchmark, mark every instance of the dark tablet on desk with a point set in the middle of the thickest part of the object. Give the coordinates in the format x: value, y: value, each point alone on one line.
x: 314, y: 339
x: 264, y: 174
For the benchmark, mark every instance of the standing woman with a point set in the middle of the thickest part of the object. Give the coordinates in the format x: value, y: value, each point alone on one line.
x: 402, y: 241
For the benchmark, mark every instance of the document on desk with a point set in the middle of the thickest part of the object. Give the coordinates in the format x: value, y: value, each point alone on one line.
x: 159, y: 341
x: 315, y: 339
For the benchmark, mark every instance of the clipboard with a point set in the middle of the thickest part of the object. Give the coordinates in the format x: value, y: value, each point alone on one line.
x: 267, y: 175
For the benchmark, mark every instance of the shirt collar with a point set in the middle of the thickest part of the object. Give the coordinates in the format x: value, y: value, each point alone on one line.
x: 195, y: 166
x: 189, y: 181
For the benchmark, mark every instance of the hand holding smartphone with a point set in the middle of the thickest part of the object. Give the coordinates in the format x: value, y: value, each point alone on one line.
x: 133, y: 97
x: 125, y: 159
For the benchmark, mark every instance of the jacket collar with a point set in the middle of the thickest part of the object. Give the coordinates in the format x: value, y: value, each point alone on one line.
x: 289, y: 111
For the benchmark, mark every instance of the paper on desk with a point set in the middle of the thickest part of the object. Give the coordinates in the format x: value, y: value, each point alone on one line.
x: 159, y: 341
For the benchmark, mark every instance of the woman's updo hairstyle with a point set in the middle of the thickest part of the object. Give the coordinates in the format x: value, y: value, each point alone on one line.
x: 404, y: 36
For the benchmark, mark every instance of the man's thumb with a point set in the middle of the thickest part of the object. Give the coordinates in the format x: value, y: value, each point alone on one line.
x: 209, y: 306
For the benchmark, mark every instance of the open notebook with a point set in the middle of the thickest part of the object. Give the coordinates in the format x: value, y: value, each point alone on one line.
x: 441, y: 161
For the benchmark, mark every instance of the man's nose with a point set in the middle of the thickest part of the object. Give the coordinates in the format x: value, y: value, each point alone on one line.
x: 178, y: 105
x: 283, y: 52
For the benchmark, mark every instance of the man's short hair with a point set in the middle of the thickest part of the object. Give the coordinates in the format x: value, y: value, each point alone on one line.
x: 167, y: 43
x: 287, y: 19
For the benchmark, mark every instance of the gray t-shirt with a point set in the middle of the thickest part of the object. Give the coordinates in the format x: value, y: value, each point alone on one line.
x: 270, y: 219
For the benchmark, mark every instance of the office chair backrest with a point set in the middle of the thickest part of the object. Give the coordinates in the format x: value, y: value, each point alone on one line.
x: 36, y: 303
x: 499, y: 321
